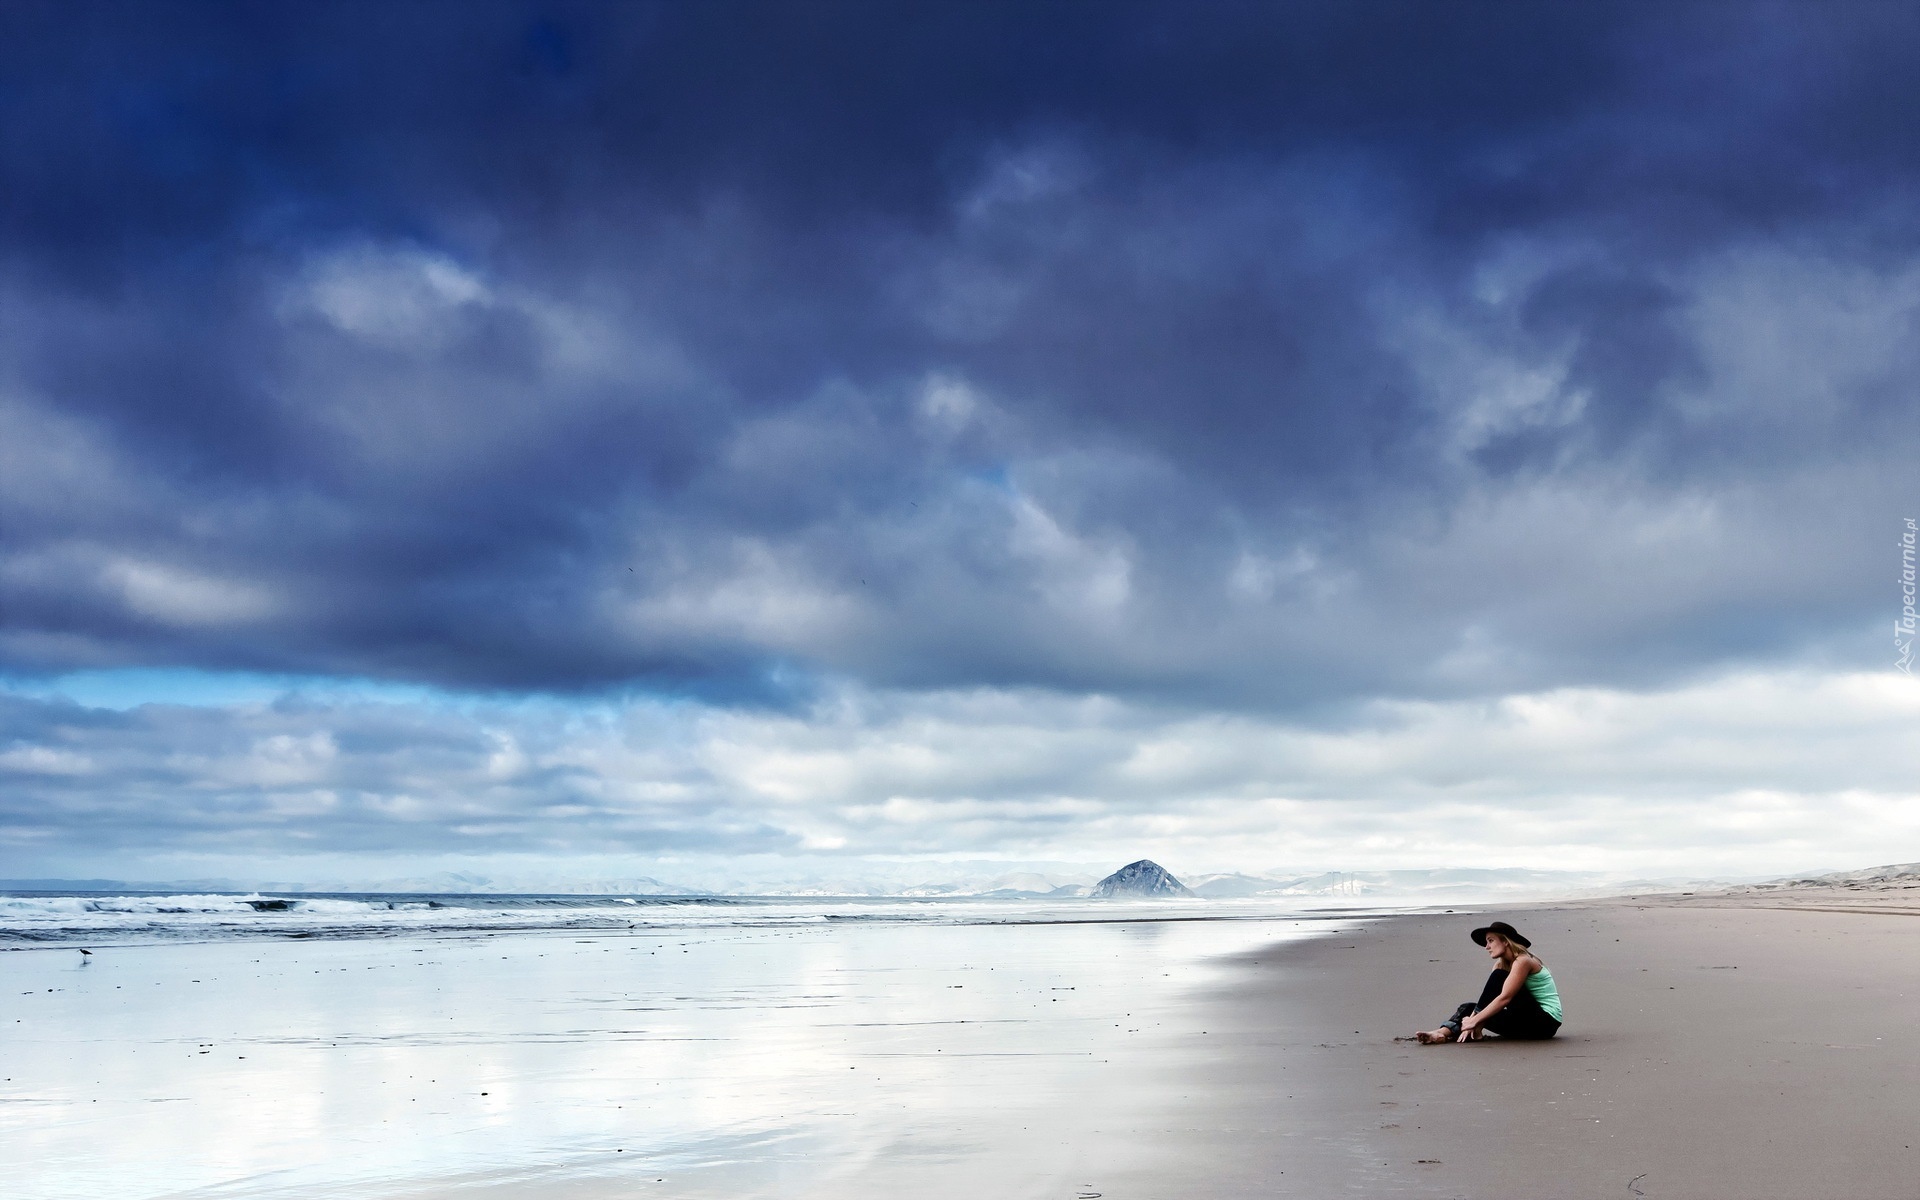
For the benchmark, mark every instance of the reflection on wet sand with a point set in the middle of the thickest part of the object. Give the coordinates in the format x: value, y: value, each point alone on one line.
x: 845, y: 1057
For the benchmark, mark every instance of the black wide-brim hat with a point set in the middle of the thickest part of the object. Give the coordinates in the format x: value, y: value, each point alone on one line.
x: 1504, y: 930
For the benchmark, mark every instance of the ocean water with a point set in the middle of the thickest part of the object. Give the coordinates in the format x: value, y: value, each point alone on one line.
x: 375, y: 1046
x: 30, y: 919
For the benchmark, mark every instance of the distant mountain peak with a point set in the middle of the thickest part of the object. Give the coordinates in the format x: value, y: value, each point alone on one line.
x: 1143, y: 878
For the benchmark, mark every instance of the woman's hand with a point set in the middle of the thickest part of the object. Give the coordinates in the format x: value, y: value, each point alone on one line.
x: 1470, y: 1029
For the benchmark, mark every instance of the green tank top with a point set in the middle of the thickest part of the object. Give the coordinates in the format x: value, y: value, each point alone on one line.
x: 1540, y: 983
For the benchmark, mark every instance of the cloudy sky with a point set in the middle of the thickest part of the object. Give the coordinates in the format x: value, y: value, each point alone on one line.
x: 584, y: 440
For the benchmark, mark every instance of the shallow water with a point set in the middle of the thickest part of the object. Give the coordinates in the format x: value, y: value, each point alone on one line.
x: 788, y: 1055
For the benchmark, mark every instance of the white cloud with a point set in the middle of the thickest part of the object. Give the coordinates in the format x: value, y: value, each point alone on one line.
x: 1745, y: 773
x: 1077, y: 574
x: 44, y: 760
x: 175, y: 596
x: 396, y: 296
x: 948, y: 402
x: 750, y: 589
x: 1485, y: 383
x: 1800, y: 339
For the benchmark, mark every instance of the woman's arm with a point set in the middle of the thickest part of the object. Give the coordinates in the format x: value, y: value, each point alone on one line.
x: 1516, y: 979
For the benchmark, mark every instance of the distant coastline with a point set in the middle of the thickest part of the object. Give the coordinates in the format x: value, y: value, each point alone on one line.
x: 1441, y: 884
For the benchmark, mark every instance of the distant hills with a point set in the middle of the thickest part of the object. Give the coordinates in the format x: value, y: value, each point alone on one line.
x: 1054, y: 881
x: 1440, y: 884
x: 1894, y: 877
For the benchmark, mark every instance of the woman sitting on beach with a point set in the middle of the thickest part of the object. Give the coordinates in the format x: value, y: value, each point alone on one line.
x: 1519, y: 1000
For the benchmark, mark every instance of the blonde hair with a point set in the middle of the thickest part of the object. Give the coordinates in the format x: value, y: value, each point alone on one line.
x: 1519, y: 951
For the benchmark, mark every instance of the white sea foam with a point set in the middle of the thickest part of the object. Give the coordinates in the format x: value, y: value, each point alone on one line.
x: 41, y: 919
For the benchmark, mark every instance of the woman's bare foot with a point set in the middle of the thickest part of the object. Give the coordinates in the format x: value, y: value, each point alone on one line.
x: 1430, y: 1037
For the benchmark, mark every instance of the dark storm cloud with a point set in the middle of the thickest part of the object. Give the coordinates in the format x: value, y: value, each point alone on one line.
x: 1245, y: 353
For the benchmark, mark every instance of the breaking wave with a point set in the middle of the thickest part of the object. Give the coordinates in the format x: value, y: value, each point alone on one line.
x: 43, y: 918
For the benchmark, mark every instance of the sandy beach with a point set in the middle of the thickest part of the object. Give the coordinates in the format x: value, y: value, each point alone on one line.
x: 1727, y: 1046
x: 1735, y: 1046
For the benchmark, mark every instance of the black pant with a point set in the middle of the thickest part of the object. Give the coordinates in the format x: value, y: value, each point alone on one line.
x: 1521, y: 1018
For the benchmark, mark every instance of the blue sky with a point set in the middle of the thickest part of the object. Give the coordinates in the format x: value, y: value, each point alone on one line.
x: 565, y: 438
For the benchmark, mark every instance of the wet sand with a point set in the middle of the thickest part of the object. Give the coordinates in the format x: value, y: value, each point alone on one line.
x: 1715, y: 1047
x: 841, y: 1059
x: 1731, y: 1047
